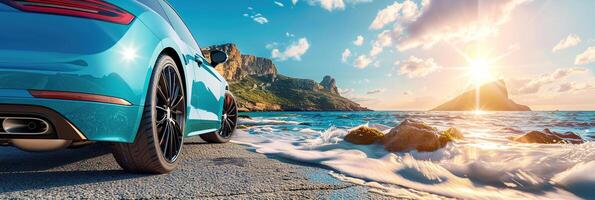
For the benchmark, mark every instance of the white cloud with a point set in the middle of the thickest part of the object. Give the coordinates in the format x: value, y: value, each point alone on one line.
x: 457, y: 21
x: 346, y: 91
x: 345, y: 55
x: 362, y: 61
x: 359, y: 41
x: 383, y: 40
x: 534, y: 85
x: 257, y: 17
x: 376, y: 91
x: 416, y: 68
x: 362, y: 81
x: 572, y: 87
x: 570, y: 41
x: 405, y: 11
x: 279, y: 4
x: 438, y: 20
x: 586, y: 57
x: 295, y: 50
x: 272, y: 45
x: 261, y: 20
x: 331, y: 5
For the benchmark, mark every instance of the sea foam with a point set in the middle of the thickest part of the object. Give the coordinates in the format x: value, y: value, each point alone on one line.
x: 484, y: 166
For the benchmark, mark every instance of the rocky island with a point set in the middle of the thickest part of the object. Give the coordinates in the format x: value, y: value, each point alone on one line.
x: 258, y: 86
x: 493, y: 97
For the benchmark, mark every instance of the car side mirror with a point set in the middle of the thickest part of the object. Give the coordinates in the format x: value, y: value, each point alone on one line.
x: 218, y: 57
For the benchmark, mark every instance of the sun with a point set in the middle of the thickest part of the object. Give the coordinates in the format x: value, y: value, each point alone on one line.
x: 479, y: 71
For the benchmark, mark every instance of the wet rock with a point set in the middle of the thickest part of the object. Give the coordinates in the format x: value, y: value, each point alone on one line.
x: 240, y: 127
x: 453, y: 134
x: 243, y: 109
x: 549, y: 137
x: 364, y: 136
x: 244, y: 117
x: 416, y: 135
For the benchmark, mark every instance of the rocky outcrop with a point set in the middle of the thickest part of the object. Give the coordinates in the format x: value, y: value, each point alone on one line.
x: 364, y: 135
x: 416, y: 135
x: 492, y: 97
x: 329, y: 84
x: 240, y: 66
x: 231, y: 70
x: 549, y: 137
x: 257, y: 66
x: 258, y: 86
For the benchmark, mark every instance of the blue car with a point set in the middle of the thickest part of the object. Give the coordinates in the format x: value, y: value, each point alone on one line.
x: 126, y: 72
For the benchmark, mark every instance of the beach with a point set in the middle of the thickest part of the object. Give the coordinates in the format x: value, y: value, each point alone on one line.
x: 207, y: 171
x: 304, y: 155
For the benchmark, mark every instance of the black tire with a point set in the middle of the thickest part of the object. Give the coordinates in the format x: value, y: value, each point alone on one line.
x: 159, y: 139
x: 228, y: 122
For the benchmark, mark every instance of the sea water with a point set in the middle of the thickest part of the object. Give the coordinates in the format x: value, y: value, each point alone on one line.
x: 485, y: 165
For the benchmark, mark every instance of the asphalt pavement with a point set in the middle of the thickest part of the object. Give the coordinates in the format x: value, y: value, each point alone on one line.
x: 207, y: 171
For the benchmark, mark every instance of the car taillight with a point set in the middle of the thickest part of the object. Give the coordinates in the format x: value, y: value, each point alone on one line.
x: 93, y: 9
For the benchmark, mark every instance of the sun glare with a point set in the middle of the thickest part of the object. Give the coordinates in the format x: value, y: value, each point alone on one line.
x: 479, y: 71
x: 129, y: 53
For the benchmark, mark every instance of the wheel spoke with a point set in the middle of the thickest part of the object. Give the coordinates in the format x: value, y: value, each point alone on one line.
x: 171, y: 145
x: 163, y: 85
x: 175, y: 95
x: 178, y: 135
x: 170, y: 80
x: 161, y: 108
x: 163, y: 142
x: 161, y: 94
x: 160, y: 122
x: 175, y: 105
x: 231, y: 108
x: 229, y: 121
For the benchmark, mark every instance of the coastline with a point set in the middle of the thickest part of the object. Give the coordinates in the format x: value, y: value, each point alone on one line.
x: 208, y: 171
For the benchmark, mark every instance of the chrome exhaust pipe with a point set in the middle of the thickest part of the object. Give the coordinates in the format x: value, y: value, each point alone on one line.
x: 25, y: 126
x: 31, y: 126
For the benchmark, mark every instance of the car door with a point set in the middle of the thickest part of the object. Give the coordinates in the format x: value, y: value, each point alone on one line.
x: 206, y: 95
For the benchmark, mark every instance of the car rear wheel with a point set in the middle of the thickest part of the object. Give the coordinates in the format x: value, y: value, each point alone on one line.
x: 159, y: 140
x: 229, y: 120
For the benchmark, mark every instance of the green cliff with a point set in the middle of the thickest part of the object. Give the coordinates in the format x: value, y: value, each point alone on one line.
x: 258, y: 86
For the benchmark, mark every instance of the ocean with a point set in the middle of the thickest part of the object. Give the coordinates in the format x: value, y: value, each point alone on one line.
x: 485, y: 165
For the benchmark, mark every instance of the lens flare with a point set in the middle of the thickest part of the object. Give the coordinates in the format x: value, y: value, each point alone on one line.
x: 129, y: 53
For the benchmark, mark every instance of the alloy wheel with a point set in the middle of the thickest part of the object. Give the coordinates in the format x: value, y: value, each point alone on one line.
x: 170, y: 112
x: 229, y: 117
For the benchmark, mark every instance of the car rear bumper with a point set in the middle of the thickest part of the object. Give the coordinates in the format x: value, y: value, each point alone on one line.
x: 59, y: 127
x: 73, y: 120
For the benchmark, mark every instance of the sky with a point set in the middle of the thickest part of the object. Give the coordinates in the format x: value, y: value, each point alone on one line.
x: 416, y: 54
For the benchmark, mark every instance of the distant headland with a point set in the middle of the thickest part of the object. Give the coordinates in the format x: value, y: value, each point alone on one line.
x: 492, y: 97
x: 258, y: 86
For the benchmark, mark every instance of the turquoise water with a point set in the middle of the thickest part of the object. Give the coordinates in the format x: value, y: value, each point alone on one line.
x: 486, y: 165
x: 497, y: 122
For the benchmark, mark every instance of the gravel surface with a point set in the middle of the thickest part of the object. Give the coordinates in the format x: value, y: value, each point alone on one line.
x: 207, y: 171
